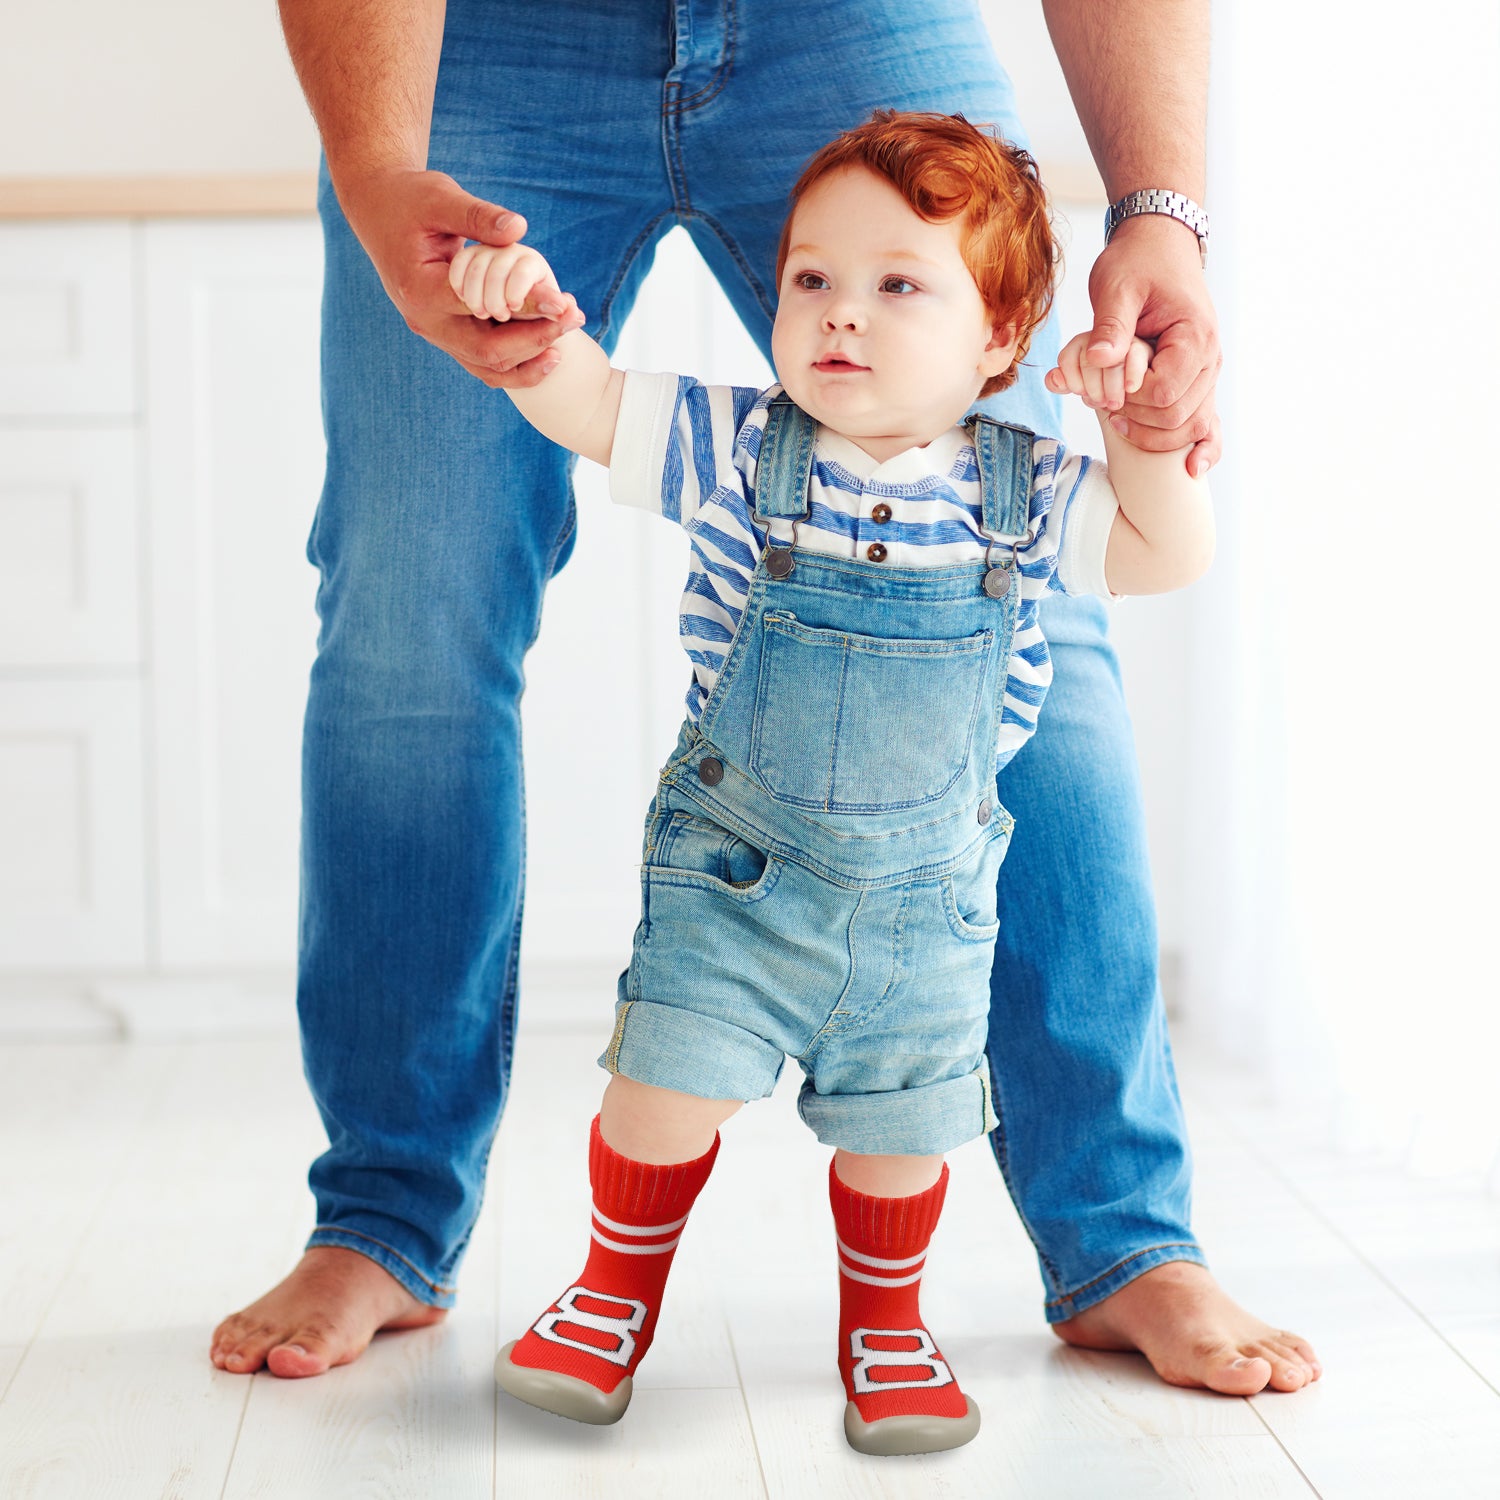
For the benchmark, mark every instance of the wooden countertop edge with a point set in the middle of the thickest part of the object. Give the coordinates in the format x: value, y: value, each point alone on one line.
x: 158, y: 197
x: 285, y: 193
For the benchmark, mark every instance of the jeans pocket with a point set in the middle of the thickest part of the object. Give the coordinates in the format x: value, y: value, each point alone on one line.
x: 970, y: 893
x: 859, y: 723
x: 693, y: 850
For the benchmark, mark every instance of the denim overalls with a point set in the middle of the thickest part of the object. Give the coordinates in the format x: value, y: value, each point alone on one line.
x: 821, y: 856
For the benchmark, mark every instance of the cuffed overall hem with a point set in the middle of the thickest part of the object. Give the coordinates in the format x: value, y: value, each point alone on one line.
x: 689, y: 1052
x: 1070, y: 1304
x: 431, y: 1293
x: 929, y: 1120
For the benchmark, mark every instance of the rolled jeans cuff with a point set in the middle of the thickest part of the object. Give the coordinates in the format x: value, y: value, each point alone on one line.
x: 1070, y: 1304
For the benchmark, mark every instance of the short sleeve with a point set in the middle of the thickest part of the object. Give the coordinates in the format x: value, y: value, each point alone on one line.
x: 677, y: 442
x: 1074, y: 507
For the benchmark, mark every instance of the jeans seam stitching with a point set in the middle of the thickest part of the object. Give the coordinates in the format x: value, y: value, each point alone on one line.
x: 720, y: 76
x: 1120, y: 1265
x: 436, y: 1286
x: 738, y: 256
x: 606, y: 308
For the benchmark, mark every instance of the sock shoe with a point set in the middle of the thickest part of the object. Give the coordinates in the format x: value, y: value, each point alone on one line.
x: 579, y: 1357
x: 903, y: 1397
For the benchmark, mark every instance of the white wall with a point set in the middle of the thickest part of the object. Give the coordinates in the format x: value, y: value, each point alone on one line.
x: 136, y: 87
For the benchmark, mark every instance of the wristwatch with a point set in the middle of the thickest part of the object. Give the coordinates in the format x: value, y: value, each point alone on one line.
x: 1159, y: 201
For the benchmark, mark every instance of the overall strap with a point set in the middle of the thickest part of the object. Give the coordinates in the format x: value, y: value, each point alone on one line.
x: 1004, y: 453
x: 784, y: 468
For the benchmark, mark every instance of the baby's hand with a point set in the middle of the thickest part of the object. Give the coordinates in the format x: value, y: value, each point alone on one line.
x: 506, y: 281
x: 1105, y: 386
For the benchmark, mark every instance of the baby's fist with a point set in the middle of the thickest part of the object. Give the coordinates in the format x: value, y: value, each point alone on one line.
x: 504, y: 282
x: 1103, y: 386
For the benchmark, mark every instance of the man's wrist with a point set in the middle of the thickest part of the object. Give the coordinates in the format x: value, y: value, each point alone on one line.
x: 1157, y: 204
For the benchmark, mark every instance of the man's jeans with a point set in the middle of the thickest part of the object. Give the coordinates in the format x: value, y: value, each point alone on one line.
x: 442, y: 518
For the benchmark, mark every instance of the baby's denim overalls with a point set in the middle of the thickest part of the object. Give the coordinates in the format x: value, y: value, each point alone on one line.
x: 821, y: 857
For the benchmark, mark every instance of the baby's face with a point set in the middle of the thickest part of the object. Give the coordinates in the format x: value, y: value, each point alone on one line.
x: 881, y: 333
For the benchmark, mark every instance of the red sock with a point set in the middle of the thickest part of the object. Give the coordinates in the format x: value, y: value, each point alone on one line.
x: 600, y: 1328
x: 890, y: 1364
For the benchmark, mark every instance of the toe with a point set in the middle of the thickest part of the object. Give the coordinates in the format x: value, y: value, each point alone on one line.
x: 242, y: 1349
x: 1233, y: 1373
x: 308, y: 1349
x: 1288, y: 1373
x: 296, y: 1359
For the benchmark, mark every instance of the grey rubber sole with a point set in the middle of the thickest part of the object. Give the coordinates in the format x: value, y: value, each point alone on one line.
x: 914, y: 1434
x: 562, y: 1395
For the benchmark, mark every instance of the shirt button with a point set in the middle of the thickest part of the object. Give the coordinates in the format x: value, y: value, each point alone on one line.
x: 875, y: 551
x: 881, y: 514
x: 710, y: 771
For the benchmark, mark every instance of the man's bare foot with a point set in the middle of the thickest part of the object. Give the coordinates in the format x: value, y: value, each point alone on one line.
x: 325, y: 1313
x: 1178, y: 1317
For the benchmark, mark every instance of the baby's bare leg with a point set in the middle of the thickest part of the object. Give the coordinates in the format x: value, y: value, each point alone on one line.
x: 887, y: 1176
x: 661, y: 1126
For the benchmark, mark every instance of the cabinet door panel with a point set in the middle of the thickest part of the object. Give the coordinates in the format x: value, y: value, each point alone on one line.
x: 69, y: 548
x: 234, y: 464
x: 67, y: 320
x: 72, y: 875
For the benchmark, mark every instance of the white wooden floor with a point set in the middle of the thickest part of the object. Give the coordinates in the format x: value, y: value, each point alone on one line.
x: 147, y: 1189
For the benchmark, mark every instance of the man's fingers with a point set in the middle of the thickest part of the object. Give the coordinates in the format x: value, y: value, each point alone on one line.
x: 490, y: 224
x: 497, y: 352
x: 1114, y: 327
x: 1145, y: 407
x: 1207, y: 453
x: 1200, y: 427
x: 1181, y: 362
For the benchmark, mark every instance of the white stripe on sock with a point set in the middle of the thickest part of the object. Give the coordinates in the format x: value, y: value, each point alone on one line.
x: 634, y: 1249
x: 879, y: 1280
x: 641, y: 1229
x: 888, y: 1265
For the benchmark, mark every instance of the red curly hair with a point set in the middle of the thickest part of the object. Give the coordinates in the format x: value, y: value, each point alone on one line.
x: 945, y: 167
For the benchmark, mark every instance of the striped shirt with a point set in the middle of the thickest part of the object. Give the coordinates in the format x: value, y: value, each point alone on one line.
x: 688, y: 451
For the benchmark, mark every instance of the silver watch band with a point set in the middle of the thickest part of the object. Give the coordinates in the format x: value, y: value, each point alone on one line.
x: 1159, y: 201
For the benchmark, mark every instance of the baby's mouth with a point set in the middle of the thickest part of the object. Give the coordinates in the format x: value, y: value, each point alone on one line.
x: 836, y: 364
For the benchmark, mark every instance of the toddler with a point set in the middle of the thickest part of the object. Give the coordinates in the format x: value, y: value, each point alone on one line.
x: 820, y: 861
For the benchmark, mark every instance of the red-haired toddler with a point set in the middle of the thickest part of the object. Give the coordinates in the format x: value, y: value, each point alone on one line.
x: 861, y: 614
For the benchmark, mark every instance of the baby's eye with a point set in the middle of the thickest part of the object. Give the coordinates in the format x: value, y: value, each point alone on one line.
x: 898, y: 285
x: 810, y: 281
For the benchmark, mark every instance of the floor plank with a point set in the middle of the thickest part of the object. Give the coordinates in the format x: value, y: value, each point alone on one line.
x: 148, y: 1190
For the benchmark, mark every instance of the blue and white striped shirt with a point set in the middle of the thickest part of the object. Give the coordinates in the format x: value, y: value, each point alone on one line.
x: 688, y: 451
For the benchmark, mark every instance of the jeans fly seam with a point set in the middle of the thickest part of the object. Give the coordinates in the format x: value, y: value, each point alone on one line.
x: 720, y: 75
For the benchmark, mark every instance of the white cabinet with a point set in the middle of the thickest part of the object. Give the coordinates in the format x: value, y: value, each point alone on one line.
x: 234, y: 461
x: 160, y: 460
x: 72, y: 791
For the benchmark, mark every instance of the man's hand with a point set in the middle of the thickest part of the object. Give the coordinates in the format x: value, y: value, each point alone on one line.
x: 1149, y: 281
x: 411, y: 225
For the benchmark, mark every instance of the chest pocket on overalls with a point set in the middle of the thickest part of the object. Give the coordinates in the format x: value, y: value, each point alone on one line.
x: 858, y: 723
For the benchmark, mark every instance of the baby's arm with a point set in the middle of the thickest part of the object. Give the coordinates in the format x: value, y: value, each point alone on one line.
x: 577, y: 401
x: 1163, y: 536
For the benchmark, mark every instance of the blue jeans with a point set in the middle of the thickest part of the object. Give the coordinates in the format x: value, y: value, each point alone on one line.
x: 443, y: 516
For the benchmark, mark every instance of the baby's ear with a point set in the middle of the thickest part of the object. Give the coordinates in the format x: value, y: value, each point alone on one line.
x: 1000, y: 353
